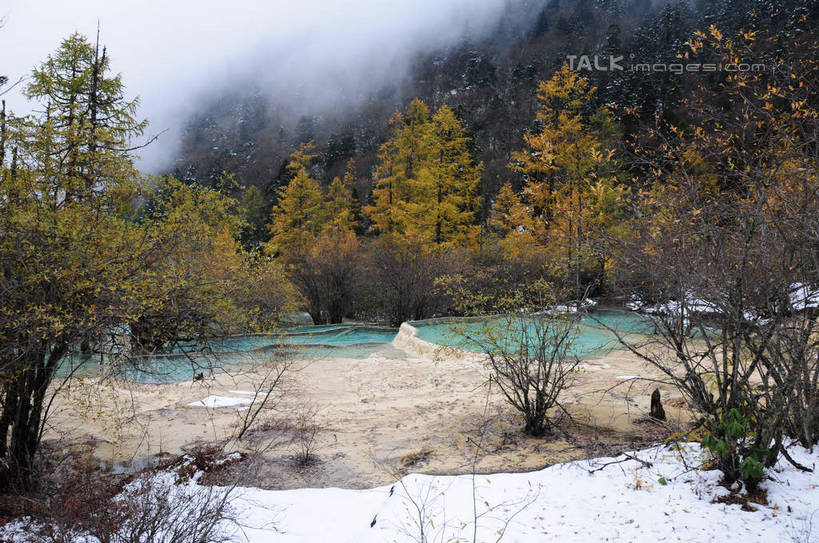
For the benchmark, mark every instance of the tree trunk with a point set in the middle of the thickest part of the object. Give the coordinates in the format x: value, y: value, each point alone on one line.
x: 24, y: 414
x: 2, y: 133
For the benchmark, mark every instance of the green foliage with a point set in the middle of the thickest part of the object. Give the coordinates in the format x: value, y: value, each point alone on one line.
x: 256, y: 212
x: 731, y: 444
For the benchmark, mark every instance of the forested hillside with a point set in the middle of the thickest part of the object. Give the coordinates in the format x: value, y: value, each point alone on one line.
x: 504, y: 148
x: 490, y: 84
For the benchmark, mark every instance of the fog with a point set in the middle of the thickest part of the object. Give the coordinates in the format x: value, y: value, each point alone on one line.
x: 176, y: 54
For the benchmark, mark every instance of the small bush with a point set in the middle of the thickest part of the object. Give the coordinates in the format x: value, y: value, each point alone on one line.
x: 736, y: 457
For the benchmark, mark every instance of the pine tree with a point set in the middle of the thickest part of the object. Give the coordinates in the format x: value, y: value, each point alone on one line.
x: 299, y: 215
x: 427, y: 183
x: 255, y: 211
x: 561, y: 160
x: 355, y: 202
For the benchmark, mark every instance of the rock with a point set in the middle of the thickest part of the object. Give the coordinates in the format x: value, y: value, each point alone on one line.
x: 657, y: 411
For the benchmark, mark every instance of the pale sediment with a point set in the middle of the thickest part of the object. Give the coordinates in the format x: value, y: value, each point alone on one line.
x: 374, y: 413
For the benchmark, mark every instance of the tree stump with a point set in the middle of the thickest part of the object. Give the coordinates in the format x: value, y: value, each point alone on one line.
x: 657, y: 411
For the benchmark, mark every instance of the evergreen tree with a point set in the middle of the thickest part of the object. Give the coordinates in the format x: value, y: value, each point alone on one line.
x: 427, y: 183
x: 563, y: 158
x: 299, y: 215
x: 255, y: 211
x: 355, y: 200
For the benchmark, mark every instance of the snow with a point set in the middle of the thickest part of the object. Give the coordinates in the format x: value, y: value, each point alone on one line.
x: 623, y: 501
x: 213, y: 402
x: 803, y: 296
x: 586, y: 303
x: 661, y: 497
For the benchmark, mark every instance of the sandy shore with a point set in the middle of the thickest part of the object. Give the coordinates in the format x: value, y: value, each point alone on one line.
x: 375, y: 416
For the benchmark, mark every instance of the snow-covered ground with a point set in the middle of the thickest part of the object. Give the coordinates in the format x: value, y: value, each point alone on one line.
x: 662, y: 497
x: 801, y: 297
x: 623, y: 501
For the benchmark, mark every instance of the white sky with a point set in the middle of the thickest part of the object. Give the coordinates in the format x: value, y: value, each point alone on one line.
x: 171, y: 52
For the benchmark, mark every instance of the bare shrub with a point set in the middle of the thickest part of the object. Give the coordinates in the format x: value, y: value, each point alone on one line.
x: 403, y: 275
x: 305, y: 431
x: 78, y: 502
x: 527, y: 348
x: 269, y: 387
x: 328, y: 275
x: 528, y: 359
x: 793, y: 356
x: 74, y: 499
x: 155, y: 509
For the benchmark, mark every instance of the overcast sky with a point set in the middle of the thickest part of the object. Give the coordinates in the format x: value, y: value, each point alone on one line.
x: 172, y: 53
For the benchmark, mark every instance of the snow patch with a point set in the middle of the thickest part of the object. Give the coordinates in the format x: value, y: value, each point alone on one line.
x: 652, y: 495
x: 213, y: 402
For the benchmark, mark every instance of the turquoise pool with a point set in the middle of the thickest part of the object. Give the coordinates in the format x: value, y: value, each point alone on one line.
x: 591, y: 339
x: 186, y: 360
x: 334, y: 335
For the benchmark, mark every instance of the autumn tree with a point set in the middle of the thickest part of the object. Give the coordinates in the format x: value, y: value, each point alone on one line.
x: 448, y: 203
x: 83, y: 263
x: 328, y: 270
x: 313, y: 234
x: 512, y: 221
x: 400, y: 160
x: 339, y: 206
x: 88, y: 122
x: 63, y: 213
x: 563, y: 159
x: 299, y: 215
x: 192, y: 281
x: 427, y: 184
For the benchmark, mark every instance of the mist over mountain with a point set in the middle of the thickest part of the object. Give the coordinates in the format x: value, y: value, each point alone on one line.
x: 316, y: 55
x: 488, y: 73
x: 236, y: 88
